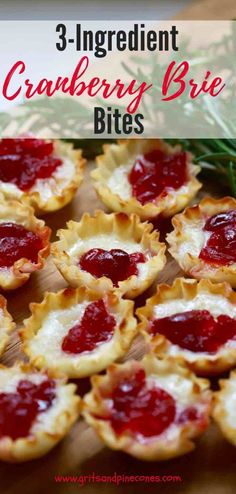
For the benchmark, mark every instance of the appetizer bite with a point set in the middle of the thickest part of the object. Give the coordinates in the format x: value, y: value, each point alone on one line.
x: 150, y: 409
x: 203, y: 241
x: 78, y: 332
x: 145, y: 176
x: 36, y: 411
x: 24, y: 243
x: 194, y: 322
x: 44, y: 174
x: 109, y: 250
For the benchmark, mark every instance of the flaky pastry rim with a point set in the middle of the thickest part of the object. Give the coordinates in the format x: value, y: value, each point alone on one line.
x: 56, y: 202
x: 125, y: 227
x: 119, y: 154
x: 87, y: 364
x: 155, y: 450
x: 192, y: 265
x: 6, y: 324
x: 41, y: 442
x: 219, y: 413
x: 22, y: 214
x: 187, y: 289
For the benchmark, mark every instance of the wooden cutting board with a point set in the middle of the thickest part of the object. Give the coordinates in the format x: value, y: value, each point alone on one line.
x: 212, y: 464
x: 210, y: 468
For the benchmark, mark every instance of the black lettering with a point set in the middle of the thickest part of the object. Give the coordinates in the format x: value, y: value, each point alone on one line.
x: 127, y: 123
x: 174, y: 33
x: 99, y: 117
x: 151, y: 40
x: 140, y: 128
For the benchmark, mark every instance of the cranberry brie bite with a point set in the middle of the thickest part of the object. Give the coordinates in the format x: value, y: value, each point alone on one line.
x: 150, y: 409
x: 109, y: 250
x: 6, y: 324
x: 203, y: 241
x: 78, y: 332
x: 44, y: 174
x: 36, y: 411
x: 147, y: 177
x: 194, y: 322
x: 224, y: 407
x: 24, y: 243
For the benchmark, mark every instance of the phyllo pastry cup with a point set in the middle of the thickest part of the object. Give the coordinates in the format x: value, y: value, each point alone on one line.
x: 6, y: 324
x: 151, y: 409
x: 203, y: 241
x: 25, y: 243
x: 129, y: 174
x: 78, y: 332
x: 109, y: 250
x: 58, y: 173
x: 193, y: 322
x: 37, y: 410
x: 224, y: 407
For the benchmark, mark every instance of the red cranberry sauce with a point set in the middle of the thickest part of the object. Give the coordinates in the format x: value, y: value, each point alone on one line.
x: 16, y: 243
x: 19, y: 410
x: 220, y: 248
x: 96, y: 326
x: 196, y: 330
x: 23, y: 161
x: 155, y: 172
x: 116, y: 264
x: 144, y: 410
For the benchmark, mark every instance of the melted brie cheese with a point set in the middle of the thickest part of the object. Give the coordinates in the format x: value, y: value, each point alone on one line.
x: 102, y: 241
x: 48, y: 340
x: 118, y: 181
x: 119, y: 184
x: 9, y: 380
x: 216, y: 304
x: 178, y: 386
x: 47, y: 188
x: 45, y: 421
x: 194, y: 238
x: 181, y: 389
x: 108, y: 242
x: 59, y: 180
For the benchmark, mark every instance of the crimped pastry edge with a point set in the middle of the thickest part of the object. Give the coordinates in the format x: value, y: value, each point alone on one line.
x: 192, y: 265
x: 183, y: 288
x: 15, y: 276
x: 41, y: 442
x: 56, y: 202
x: 6, y: 325
x: 91, y: 362
x: 123, y: 226
x: 119, y: 154
x: 155, y: 450
x: 219, y: 412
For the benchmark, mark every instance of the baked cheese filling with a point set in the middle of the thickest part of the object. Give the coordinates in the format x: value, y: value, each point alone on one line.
x: 32, y: 165
x: 149, y: 406
x: 23, y: 399
x: 74, y: 333
x: 122, y: 260
x: 204, y: 324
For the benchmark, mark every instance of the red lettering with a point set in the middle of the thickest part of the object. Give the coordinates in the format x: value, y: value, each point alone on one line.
x: 79, y: 71
x: 175, y: 77
x: 206, y: 87
x: 215, y: 83
x: 18, y: 66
